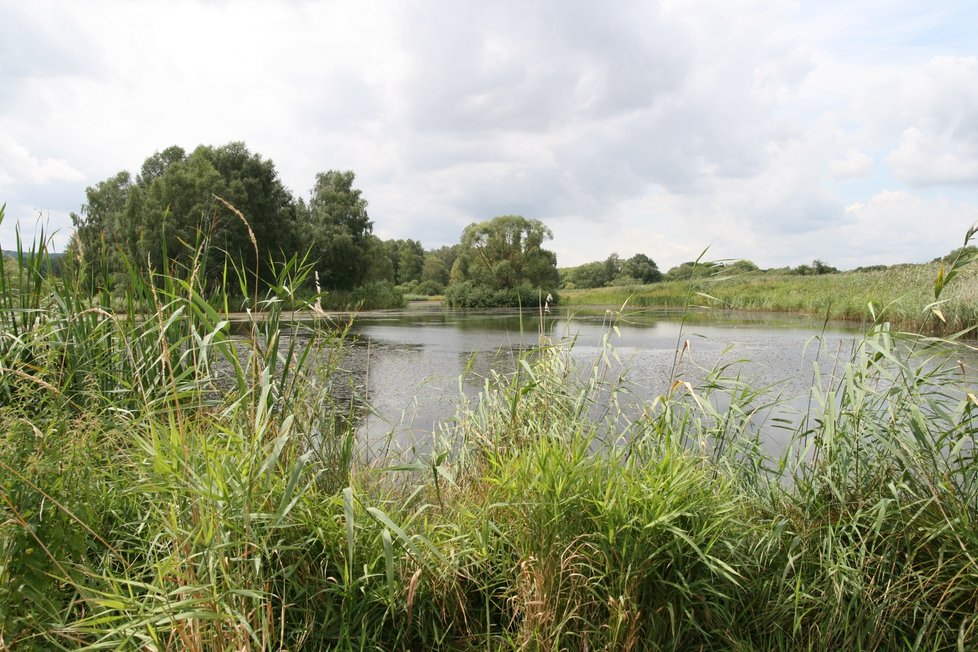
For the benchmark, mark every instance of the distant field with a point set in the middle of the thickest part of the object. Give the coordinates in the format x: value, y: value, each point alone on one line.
x: 902, y: 294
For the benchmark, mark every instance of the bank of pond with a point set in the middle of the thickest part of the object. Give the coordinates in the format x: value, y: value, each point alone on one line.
x: 595, y: 481
x: 903, y: 295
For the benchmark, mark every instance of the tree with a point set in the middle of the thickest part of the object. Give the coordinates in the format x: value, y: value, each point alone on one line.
x: 379, y: 265
x: 692, y: 270
x: 434, y: 270
x: 158, y: 163
x: 447, y: 254
x: 251, y: 184
x: 99, y: 223
x: 506, y: 252
x: 410, y: 260
x: 166, y: 216
x: 588, y: 275
x: 822, y: 268
x: 817, y: 268
x: 406, y: 259
x: 961, y: 253
x: 171, y: 205
x: 612, y: 268
x: 641, y: 268
x: 335, y: 228
x: 741, y: 266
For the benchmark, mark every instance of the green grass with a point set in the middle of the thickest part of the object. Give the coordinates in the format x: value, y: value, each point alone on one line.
x: 165, y: 485
x: 902, y: 294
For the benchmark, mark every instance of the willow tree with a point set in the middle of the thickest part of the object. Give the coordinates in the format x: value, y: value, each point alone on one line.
x: 506, y: 252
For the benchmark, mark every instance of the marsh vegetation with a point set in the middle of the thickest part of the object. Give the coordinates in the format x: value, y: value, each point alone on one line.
x: 900, y: 294
x: 147, y: 506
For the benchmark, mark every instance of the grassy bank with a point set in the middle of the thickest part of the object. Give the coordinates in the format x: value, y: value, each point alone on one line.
x: 902, y: 294
x: 166, y: 486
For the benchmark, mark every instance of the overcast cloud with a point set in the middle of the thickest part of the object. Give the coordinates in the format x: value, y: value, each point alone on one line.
x: 775, y: 131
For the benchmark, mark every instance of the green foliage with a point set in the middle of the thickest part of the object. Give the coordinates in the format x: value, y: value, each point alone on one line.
x: 379, y: 265
x: 430, y: 288
x: 700, y: 269
x: 410, y: 260
x: 49, y: 481
x: 416, y: 290
x: 335, y: 226
x: 505, y: 253
x: 401, y: 261
x: 815, y: 269
x: 234, y: 200
x: 902, y: 294
x: 434, y: 270
x: 369, y: 296
x: 642, y: 268
x: 623, y: 280
x: 468, y: 294
x: 692, y: 270
x: 740, y: 267
x: 588, y: 275
x: 637, y: 270
x: 145, y: 455
x: 969, y: 252
x: 166, y: 484
x: 159, y: 219
x: 447, y: 255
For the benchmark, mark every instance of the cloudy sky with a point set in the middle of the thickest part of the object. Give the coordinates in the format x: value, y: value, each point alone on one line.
x: 844, y: 130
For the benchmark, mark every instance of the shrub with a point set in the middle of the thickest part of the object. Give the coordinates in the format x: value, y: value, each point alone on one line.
x: 372, y: 296
x: 625, y: 281
x: 467, y: 294
x: 430, y: 288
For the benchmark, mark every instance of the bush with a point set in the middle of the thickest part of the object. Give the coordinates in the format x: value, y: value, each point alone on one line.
x: 430, y: 288
x: 467, y: 294
x: 625, y: 281
x: 409, y: 287
x: 372, y: 296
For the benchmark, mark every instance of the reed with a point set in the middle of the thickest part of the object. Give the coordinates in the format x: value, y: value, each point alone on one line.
x: 903, y: 293
x: 168, y: 484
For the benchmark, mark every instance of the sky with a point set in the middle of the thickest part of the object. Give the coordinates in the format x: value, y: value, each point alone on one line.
x: 780, y: 132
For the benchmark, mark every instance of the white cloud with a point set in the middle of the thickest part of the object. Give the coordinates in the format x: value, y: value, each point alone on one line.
x: 854, y: 165
x: 933, y: 158
x: 940, y: 145
x: 19, y: 166
x: 898, y: 226
x: 638, y: 126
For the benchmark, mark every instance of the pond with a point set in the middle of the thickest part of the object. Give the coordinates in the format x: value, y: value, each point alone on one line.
x: 414, y: 359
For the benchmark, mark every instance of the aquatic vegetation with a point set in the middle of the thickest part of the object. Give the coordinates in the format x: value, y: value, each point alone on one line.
x: 168, y: 484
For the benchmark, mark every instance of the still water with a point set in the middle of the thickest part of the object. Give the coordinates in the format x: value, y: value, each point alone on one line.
x: 414, y: 359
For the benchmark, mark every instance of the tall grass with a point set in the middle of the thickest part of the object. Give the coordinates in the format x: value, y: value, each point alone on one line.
x: 151, y: 457
x: 168, y: 485
x: 903, y: 292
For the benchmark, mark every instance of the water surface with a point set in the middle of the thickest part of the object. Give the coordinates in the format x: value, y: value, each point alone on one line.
x: 414, y: 359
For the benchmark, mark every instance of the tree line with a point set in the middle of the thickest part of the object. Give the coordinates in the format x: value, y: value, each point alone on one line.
x: 637, y: 270
x: 642, y: 270
x: 234, y: 199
